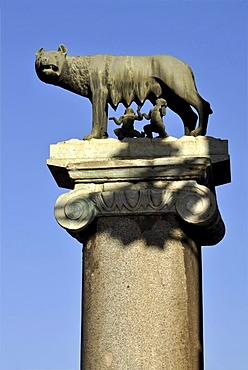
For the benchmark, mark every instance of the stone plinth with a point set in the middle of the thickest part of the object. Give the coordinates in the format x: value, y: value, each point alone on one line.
x: 68, y: 158
x: 142, y: 208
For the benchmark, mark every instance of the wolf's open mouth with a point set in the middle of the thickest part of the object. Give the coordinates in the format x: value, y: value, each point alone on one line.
x: 50, y: 67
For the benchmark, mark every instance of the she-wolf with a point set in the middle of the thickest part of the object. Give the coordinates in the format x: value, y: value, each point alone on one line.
x: 110, y: 79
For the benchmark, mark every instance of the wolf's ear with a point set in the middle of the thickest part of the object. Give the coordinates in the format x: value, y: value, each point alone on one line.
x: 40, y: 51
x: 62, y: 49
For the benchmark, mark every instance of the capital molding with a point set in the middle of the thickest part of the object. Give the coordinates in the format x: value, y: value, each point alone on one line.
x: 195, y: 204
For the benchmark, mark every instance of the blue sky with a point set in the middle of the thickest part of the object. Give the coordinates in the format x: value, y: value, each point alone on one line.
x: 40, y: 262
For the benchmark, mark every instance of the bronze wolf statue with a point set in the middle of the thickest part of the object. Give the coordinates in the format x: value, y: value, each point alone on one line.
x: 109, y: 79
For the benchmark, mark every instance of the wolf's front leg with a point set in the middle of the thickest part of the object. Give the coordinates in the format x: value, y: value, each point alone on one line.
x: 99, y: 116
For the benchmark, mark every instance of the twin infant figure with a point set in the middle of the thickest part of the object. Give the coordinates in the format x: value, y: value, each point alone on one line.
x: 155, y: 116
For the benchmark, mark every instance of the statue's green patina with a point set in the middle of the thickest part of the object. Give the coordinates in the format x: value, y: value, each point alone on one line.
x: 109, y: 79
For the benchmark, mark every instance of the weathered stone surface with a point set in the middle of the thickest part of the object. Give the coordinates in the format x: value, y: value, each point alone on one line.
x: 75, y: 161
x: 142, y: 296
x: 202, y: 146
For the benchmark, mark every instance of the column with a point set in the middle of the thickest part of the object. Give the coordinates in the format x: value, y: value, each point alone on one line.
x: 142, y: 208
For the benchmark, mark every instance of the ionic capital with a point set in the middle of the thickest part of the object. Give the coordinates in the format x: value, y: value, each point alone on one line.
x: 195, y: 204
